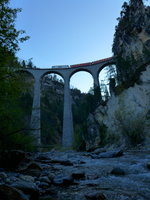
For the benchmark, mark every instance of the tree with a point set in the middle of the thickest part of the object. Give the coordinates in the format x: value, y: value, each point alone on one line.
x: 9, y: 35
x: 23, y: 64
x: 30, y: 63
x: 132, y: 22
x: 11, y: 84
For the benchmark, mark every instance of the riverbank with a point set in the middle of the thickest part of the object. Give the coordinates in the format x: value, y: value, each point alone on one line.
x: 70, y: 175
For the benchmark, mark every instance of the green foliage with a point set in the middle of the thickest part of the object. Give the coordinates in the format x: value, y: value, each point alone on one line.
x: 79, y: 142
x: 103, y: 135
x: 51, y: 115
x: 127, y: 22
x: 129, y: 58
x: 146, y: 52
x: 131, y: 126
x: 148, y: 115
x: 17, y: 140
x: 12, y: 127
x: 12, y: 113
x: 9, y: 35
x: 132, y: 79
x: 107, y: 139
x: 11, y: 110
x: 82, y: 107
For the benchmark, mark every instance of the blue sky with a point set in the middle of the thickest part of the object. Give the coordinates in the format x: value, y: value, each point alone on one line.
x: 67, y: 31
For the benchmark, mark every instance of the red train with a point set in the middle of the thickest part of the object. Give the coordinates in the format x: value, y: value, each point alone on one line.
x: 91, y: 63
x: 82, y: 64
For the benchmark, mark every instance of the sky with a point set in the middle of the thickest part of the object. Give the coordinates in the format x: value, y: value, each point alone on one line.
x: 65, y: 32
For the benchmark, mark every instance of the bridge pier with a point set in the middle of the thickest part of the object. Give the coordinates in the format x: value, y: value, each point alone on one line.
x: 97, y: 89
x: 96, y: 80
x: 36, y: 115
x: 67, y: 137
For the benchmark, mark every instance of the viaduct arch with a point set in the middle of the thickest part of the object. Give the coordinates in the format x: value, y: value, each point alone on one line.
x: 93, y: 68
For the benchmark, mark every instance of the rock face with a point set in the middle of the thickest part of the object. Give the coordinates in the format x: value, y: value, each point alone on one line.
x: 132, y: 38
x: 93, y: 138
x: 125, y: 120
x: 126, y: 116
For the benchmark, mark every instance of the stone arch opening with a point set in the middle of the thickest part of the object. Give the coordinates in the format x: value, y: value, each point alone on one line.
x: 107, y: 80
x: 81, y: 79
x: 82, y: 93
x: 52, y: 73
x: 52, y: 103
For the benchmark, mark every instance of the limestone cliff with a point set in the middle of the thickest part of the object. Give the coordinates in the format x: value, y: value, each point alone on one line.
x: 125, y: 120
x: 126, y: 117
x: 131, y: 43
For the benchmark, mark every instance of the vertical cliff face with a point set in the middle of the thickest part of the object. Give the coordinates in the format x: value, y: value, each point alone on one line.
x: 126, y: 117
x: 125, y: 120
x: 132, y: 38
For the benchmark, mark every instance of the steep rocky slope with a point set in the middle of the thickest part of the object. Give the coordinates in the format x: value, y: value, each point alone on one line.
x: 132, y: 39
x: 126, y: 117
x: 125, y: 120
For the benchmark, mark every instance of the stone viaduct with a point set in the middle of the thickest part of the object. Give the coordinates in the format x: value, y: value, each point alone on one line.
x: 93, y: 68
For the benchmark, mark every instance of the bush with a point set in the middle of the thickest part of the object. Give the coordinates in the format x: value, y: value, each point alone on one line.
x: 16, y: 141
x: 131, y: 127
x: 103, y: 135
x: 79, y: 143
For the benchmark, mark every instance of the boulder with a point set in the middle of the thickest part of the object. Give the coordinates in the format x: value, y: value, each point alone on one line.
x: 11, y: 193
x: 10, y: 160
x: 111, y: 154
x: 28, y: 188
x: 148, y: 165
x: 51, y: 176
x: 95, y: 196
x: 118, y: 171
x: 43, y: 185
x: 48, y: 198
x: 27, y: 178
x: 62, y: 162
x: 34, y: 166
x: 108, y: 154
x: 63, y: 180
x: 78, y: 175
x: 44, y: 179
x: 32, y: 169
x: 99, y: 150
x: 3, y: 175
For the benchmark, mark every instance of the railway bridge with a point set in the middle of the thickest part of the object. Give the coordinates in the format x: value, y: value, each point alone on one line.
x: 93, y: 68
